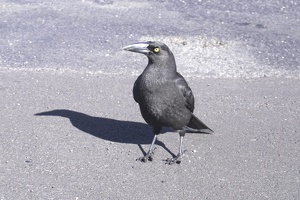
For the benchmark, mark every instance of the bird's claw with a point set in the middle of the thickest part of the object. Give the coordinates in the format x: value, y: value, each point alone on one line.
x: 171, y: 161
x: 176, y: 159
x: 148, y: 156
x: 145, y: 158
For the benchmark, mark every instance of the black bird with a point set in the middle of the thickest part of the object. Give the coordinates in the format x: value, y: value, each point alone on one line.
x: 164, y: 97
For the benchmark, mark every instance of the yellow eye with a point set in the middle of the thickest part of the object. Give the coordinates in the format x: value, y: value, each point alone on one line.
x: 156, y: 49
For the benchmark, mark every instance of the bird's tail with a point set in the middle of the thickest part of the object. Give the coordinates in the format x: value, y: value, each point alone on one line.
x: 197, y: 126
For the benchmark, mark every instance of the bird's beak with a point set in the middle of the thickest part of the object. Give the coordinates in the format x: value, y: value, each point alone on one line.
x: 141, y: 47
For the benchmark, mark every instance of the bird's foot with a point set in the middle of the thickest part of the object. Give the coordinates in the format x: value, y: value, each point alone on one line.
x: 176, y: 159
x: 148, y: 156
x: 171, y: 161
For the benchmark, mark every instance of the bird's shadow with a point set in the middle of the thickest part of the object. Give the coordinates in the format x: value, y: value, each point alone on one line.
x: 109, y: 129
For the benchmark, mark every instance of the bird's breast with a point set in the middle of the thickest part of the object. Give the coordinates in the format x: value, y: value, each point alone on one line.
x: 160, y: 99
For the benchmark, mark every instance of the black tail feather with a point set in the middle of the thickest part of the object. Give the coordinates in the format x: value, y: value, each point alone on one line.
x: 197, y: 126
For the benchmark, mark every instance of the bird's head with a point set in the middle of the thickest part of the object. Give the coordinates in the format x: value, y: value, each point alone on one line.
x: 153, y: 50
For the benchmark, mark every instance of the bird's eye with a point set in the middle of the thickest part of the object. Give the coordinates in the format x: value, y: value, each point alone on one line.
x: 156, y: 49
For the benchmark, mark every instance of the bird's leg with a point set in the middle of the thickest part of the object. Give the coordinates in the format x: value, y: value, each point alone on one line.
x: 177, y: 159
x: 149, y: 155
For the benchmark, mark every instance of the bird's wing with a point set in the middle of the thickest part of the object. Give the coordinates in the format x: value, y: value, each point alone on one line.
x: 186, y: 91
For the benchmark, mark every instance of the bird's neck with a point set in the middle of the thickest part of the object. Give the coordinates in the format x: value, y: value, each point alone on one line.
x: 165, y: 65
